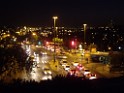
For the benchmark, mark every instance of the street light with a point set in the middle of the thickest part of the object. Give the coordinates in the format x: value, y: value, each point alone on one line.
x: 54, y: 18
x: 85, y: 25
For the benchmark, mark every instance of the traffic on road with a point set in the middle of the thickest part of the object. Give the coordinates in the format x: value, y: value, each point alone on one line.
x: 44, y: 68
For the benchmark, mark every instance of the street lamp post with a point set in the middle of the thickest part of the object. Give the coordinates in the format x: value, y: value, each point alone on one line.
x: 54, y: 18
x: 85, y: 25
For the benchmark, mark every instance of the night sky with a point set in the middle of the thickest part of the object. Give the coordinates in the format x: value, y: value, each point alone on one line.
x: 70, y: 12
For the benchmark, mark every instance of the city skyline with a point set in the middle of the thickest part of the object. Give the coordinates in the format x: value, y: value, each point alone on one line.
x: 70, y: 13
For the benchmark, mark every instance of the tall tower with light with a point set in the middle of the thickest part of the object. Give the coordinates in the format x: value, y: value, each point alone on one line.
x: 85, y: 28
x: 54, y: 18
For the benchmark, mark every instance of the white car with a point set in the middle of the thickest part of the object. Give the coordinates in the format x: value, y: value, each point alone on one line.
x: 75, y: 63
x: 46, y: 77
x: 86, y: 72
x: 47, y: 71
x: 63, y: 62
x: 67, y: 67
x: 44, y: 53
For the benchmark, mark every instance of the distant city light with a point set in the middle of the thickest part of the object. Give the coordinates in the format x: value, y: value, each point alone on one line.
x: 119, y: 47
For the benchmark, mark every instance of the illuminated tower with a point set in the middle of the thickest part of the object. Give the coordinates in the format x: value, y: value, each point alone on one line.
x: 85, y: 27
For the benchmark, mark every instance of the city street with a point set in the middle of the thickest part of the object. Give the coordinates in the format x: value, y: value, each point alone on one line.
x: 44, y: 67
x: 55, y: 67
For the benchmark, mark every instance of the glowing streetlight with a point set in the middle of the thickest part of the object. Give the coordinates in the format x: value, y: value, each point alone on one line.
x: 54, y: 18
x: 55, y: 28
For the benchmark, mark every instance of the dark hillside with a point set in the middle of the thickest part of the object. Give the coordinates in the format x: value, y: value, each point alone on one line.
x: 65, y: 85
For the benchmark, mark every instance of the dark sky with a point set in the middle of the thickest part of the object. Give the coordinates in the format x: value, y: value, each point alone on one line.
x: 70, y: 12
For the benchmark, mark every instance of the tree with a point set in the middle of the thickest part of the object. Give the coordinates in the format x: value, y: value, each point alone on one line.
x: 12, y: 60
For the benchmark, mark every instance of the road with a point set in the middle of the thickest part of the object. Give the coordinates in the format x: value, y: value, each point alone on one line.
x: 46, y: 60
x: 56, y: 68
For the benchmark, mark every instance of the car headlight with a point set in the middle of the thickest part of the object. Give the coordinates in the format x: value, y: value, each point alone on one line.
x: 44, y: 78
x: 45, y: 72
x: 50, y: 77
x: 50, y: 72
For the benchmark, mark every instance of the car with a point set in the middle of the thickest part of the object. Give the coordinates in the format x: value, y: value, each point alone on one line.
x: 80, y: 67
x: 62, y: 52
x: 47, y: 71
x: 91, y: 76
x: 46, y: 77
x: 78, y: 74
x: 63, y: 62
x: 86, y: 71
x: 75, y: 63
x: 44, y: 61
x: 64, y: 56
x: 67, y: 67
x: 72, y: 72
x: 75, y: 73
x: 44, y: 53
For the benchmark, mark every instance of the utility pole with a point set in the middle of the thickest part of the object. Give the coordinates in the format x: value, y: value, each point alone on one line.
x: 54, y: 18
x: 85, y: 25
